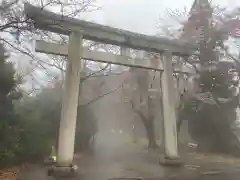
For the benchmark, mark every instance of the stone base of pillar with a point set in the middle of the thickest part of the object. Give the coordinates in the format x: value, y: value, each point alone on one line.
x: 170, y: 161
x: 63, y: 171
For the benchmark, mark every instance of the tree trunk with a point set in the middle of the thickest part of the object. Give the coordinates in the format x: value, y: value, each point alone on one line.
x: 149, y: 126
x: 179, y: 122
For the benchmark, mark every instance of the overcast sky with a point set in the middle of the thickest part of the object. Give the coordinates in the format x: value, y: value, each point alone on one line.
x: 141, y: 15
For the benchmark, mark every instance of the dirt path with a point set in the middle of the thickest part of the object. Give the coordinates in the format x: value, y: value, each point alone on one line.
x: 117, y: 157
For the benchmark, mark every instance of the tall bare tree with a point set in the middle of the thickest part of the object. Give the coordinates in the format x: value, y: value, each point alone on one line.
x: 142, y: 103
x: 17, y: 33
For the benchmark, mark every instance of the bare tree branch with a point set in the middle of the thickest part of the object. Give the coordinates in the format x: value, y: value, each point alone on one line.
x: 13, y: 21
x: 96, y: 72
x: 6, y: 6
x: 102, y: 95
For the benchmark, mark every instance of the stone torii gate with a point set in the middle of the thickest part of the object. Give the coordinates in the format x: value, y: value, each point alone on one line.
x: 79, y: 30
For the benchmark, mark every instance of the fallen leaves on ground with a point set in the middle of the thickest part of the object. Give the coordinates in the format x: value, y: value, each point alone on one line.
x: 216, y: 158
x: 9, y: 174
x: 13, y: 172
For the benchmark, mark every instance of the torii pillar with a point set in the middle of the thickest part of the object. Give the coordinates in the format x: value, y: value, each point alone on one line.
x: 171, y: 155
x: 64, y: 165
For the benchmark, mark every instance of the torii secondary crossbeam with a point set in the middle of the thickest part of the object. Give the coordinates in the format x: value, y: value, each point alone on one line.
x: 79, y: 30
x: 105, y: 57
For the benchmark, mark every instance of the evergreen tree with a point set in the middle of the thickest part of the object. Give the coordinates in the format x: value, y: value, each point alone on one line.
x: 211, y: 113
x: 9, y: 124
x: 211, y: 121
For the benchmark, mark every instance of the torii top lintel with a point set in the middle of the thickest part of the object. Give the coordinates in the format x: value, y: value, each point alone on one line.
x: 50, y: 21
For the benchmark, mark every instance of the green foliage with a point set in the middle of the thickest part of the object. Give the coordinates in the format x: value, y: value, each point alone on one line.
x: 29, y: 126
x: 86, y: 128
x: 9, y: 124
x: 40, y: 117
